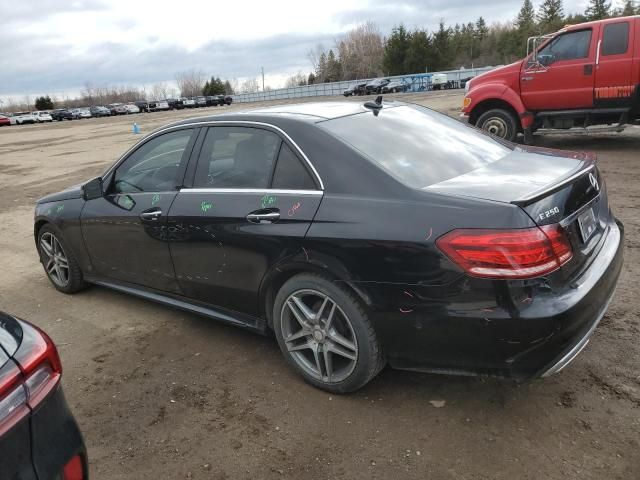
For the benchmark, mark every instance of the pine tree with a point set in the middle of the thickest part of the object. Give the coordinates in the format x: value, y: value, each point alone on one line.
x: 598, y: 9
x: 395, y: 51
x: 321, y: 71
x: 629, y: 9
x: 551, y: 15
x: 311, y: 80
x: 333, y: 68
x: 526, y: 17
x: 481, y: 29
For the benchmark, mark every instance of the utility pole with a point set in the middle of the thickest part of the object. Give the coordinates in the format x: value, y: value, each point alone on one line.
x: 262, y: 69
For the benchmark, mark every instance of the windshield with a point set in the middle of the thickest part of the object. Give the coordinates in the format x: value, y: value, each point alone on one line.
x: 416, y: 145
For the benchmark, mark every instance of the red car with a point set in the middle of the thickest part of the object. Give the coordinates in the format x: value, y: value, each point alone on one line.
x: 582, y: 76
x: 4, y: 121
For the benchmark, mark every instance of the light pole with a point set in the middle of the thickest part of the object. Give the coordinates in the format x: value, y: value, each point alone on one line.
x: 262, y: 70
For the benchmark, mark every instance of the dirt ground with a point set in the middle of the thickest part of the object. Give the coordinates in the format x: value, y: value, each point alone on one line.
x: 161, y: 394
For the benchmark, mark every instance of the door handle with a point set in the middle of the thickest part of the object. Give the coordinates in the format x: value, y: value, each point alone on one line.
x: 527, y: 78
x: 262, y: 216
x: 151, y: 215
x: 588, y: 69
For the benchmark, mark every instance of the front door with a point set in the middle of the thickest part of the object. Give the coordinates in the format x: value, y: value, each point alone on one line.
x: 564, y: 76
x: 251, y: 202
x: 614, y: 65
x: 125, y: 231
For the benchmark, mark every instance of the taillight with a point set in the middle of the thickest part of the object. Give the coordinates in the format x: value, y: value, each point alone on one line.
x: 518, y: 254
x: 25, y: 385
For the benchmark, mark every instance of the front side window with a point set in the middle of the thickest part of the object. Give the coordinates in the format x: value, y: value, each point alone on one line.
x: 615, y: 40
x: 154, y: 166
x: 236, y: 157
x: 568, y: 46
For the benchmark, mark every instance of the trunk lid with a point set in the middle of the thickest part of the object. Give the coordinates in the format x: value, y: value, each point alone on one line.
x: 10, y: 337
x: 551, y: 186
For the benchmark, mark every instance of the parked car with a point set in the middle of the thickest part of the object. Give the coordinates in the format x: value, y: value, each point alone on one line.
x: 175, y: 104
x: 201, y: 102
x: 4, y: 121
x: 188, y: 102
x: 225, y: 99
x: 143, y: 106
x: 157, y: 106
x: 464, y: 81
x: 585, y: 75
x: 309, y: 221
x: 61, y: 114
x: 21, y: 118
x: 118, y: 109
x: 131, y: 108
x: 43, y: 116
x: 355, y: 89
x: 394, y: 87
x: 375, y: 86
x: 439, y: 81
x: 79, y: 113
x: 39, y: 438
x: 99, y: 111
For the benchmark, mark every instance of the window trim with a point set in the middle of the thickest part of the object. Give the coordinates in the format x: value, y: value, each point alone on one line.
x: 220, y: 123
x: 569, y: 32
x: 251, y: 191
x: 604, y: 32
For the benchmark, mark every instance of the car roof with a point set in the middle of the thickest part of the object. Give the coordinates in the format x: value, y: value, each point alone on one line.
x: 319, y: 110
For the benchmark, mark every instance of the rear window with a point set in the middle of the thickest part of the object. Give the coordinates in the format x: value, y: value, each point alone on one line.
x: 417, y: 146
x: 615, y: 40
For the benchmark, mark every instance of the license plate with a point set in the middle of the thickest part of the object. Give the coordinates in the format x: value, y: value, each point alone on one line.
x: 587, y: 223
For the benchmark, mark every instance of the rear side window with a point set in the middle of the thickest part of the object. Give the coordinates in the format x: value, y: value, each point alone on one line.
x: 417, y: 146
x: 236, y: 157
x: 615, y: 40
x: 290, y: 173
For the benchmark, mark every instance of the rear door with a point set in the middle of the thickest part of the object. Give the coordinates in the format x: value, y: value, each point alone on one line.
x: 614, y: 86
x: 567, y: 78
x: 250, y: 203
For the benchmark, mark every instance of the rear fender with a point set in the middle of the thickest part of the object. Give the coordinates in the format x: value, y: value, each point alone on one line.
x: 306, y: 260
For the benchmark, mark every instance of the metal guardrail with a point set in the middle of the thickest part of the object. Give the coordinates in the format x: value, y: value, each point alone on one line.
x: 337, y: 88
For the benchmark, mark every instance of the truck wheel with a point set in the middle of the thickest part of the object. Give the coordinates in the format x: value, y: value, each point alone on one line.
x: 500, y: 123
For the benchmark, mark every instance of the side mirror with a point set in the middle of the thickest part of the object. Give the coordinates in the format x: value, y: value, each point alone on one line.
x: 92, y: 189
x: 546, y: 60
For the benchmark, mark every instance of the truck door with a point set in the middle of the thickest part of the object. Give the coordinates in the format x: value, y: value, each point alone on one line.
x: 614, y: 86
x: 564, y: 77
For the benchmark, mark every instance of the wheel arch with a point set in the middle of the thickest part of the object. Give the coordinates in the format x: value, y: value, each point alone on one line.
x: 310, y: 262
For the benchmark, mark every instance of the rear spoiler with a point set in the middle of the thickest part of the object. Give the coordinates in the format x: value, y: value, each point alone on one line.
x: 548, y: 190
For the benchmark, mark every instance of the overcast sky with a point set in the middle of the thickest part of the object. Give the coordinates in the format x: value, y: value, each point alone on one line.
x: 56, y: 46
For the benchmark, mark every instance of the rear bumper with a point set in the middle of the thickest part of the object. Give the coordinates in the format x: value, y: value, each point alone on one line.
x: 518, y: 329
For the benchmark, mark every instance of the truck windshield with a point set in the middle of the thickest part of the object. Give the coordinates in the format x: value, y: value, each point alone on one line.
x: 417, y: 146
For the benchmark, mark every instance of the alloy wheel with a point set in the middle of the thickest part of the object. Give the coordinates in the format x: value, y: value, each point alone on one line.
x: 54, y: 259
x: 319, y: 336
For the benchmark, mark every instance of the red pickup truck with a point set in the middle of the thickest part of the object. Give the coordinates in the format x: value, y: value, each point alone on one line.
x: 582, y: 76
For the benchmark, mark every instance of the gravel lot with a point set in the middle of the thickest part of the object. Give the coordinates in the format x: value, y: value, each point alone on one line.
x: 161, y: 394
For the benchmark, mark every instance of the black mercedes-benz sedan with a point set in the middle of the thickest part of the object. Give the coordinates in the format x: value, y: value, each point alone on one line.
x: 359, y: 234
x: 39, y: 438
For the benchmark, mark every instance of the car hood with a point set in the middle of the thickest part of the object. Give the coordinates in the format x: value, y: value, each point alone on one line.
x: 67, y: 194
x: 10, y: 337
x: 497, y: 74
x: 520, y: 174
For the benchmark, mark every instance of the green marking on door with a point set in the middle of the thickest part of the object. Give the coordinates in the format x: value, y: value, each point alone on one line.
x: 155, y: 199
x: 205, y: 206
x: 268, y: 201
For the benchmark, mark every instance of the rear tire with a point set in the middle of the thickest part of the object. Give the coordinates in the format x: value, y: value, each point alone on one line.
x: 325, y: 334
x: 58, y: 261
x: 499, y: 122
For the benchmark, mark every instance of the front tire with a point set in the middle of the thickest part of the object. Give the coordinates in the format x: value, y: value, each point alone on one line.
x: 499, y: 122
x: 58, y: 261
x: 325, y: 334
